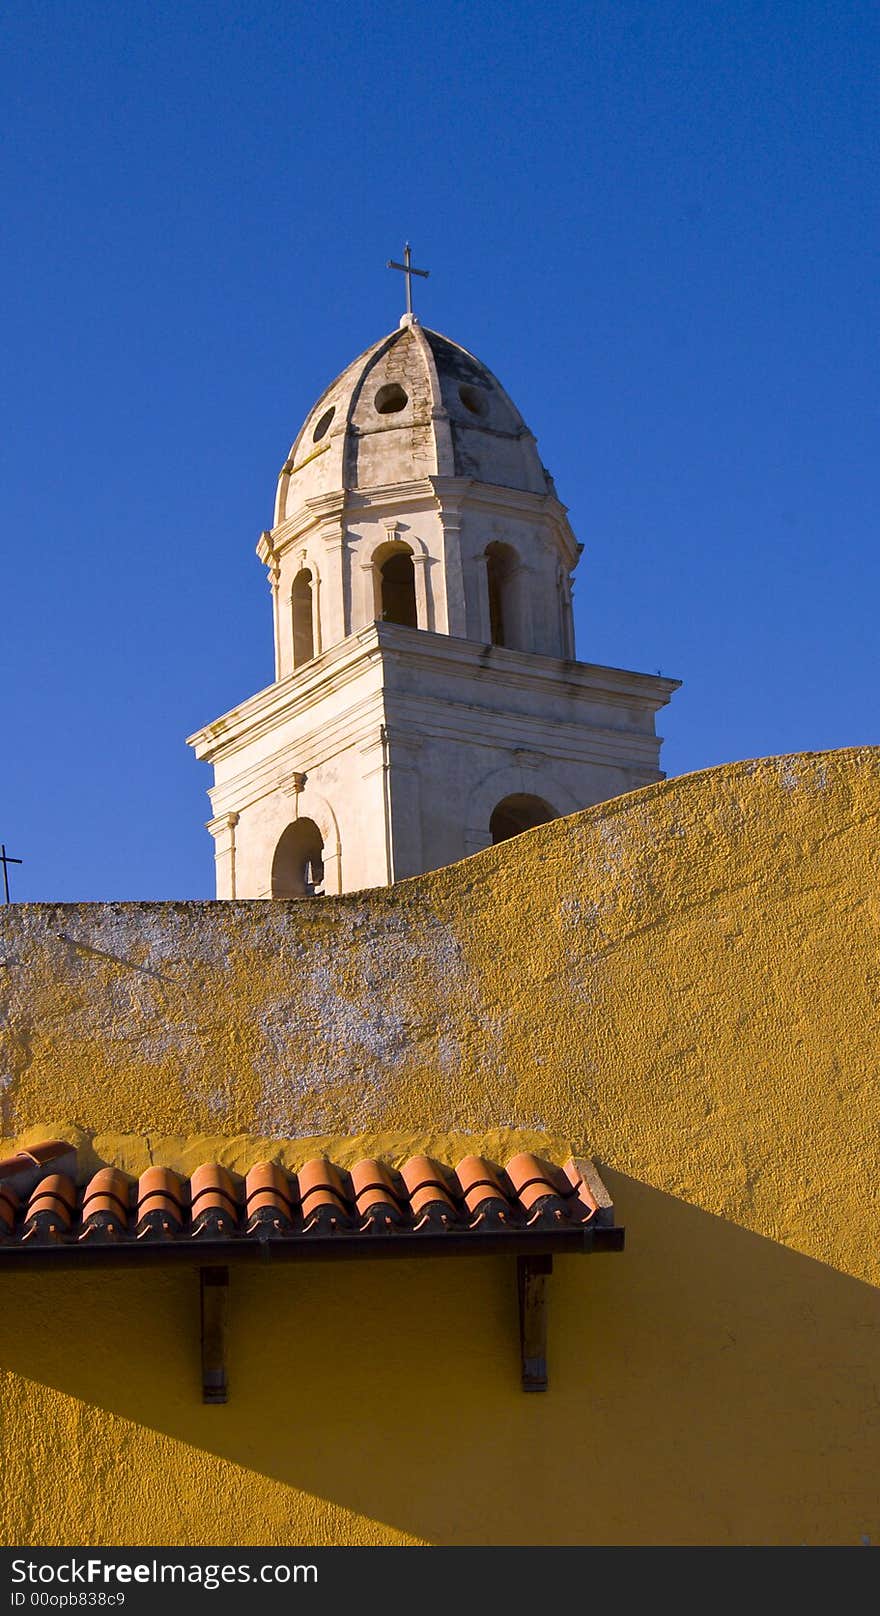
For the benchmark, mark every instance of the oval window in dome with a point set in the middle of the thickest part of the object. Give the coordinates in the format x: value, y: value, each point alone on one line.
x: 323, y: 425
x: 390, y: 399
x: 473, y: 398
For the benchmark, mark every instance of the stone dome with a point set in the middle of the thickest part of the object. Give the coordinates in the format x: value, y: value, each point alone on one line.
x: 414, y: 405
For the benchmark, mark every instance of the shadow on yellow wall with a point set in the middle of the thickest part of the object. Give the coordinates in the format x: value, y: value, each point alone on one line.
x: 706, y: 1386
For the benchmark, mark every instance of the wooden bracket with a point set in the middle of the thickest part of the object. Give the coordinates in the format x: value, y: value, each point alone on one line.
x: 531, y: 1273
x: 214, y: 1289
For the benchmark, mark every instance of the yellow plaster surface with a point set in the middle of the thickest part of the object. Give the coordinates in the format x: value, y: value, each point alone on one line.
x: 685, y: 983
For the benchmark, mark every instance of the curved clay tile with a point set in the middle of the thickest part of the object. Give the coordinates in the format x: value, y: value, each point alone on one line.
x: 26, y: 1166
x: 430, y: 1194
x: 159, y: 1203
x: 214, y: 1201
x: 325, y: 1204
x: 268, y: 1199
x: 541, y: 1190
x: 106, y: 1205
x: 376, y: 1199
x: 50, y: 1209
x: 481, y: 1189
x: 581, y: 1189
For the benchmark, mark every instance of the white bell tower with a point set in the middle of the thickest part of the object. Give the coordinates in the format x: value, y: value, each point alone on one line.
x: 427, y: 700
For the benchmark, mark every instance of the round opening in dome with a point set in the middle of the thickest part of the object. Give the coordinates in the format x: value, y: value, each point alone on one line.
x: 390, y: 399
x: 323, y: 425
x: 473, y: 398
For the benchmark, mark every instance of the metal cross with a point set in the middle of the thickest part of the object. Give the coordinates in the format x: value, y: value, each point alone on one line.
x: 4, y: 860
x: 409, y: 272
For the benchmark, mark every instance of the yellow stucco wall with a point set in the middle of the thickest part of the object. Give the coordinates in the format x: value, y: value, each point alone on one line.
x: 683, y: 983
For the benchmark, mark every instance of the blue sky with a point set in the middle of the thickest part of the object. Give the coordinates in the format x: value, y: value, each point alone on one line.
x: 656, y: 222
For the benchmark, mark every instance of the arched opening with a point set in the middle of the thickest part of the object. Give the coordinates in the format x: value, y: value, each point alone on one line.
x: 397, y: 584
x: 303, y: 623
x: 518, y: 813
x: 298, y: 865
x: 501, y: 576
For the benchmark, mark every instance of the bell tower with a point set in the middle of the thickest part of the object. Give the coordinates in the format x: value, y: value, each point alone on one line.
x: 427, y: 700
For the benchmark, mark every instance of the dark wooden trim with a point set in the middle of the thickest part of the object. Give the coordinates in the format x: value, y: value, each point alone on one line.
x: 214, y: 1294
x: 208, y: 1250
x: 531, y: 1274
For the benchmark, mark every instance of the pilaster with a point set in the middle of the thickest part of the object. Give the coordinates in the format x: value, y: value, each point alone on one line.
x: 456, y: 601
x: 223, y: 831
x: 404, y: 764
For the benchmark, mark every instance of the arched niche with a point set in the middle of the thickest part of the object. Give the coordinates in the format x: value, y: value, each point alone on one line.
x: 298, y: 862
x: 518, y: 812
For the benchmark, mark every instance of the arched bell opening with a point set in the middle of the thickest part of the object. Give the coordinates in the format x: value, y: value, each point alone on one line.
x: 397, y: 589
x: 298, y: 864
x: 502, y: 578
x: 517, y: 813
x: 302, y: 607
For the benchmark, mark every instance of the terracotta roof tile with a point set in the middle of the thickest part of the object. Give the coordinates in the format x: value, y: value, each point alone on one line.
x: 379, y: 1201
x: 541, y: 1189
x: 430, y: 1193
x: 269, y: 1200
x: 480, y: 1186
x: 49, y: 1212
x: 27, y: 1167
x: 326, y: 1204
x: 215, y: 1208
x: 425, y: 1206
x: 106, y: 1206
x: 159, y: 1203
x: 580, y: 1188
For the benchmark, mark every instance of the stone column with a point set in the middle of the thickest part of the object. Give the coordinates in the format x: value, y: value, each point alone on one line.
x: 317, y: 641
x: 424, y: 599
x: 336, y: 611
x: 456, y: 601
x: 368, y: 609
x: 481, y: 575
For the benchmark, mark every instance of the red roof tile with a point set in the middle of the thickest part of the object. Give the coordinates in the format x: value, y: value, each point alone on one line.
x: 27, y: 1167
x: 106, y: 1205
x: 322, y: 1207
x: 214, y: 1201
x: 379, y: 1201
x: 160, y: 1203
x: 542, y: 1189
x: 269, y: 1204
x: 430, y: 1194
x: 325, y: 1203
x: 49, y: 1212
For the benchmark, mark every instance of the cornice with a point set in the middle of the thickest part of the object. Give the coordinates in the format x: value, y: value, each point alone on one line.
x: 448, y: 495
x: 429, y: 655
x: 419, y: 648
x: 287, y: 698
